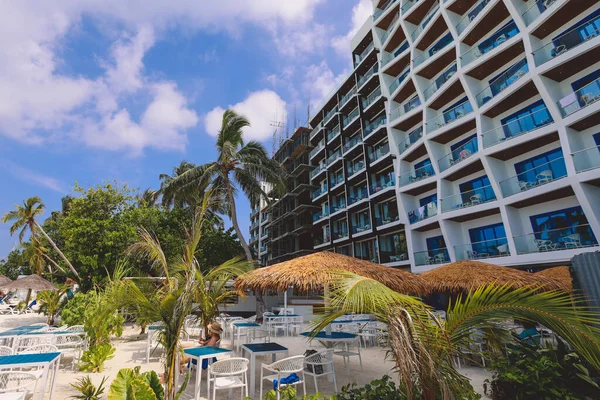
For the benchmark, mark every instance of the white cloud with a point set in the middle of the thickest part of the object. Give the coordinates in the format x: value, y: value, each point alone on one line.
x: 321, y: 82
x: 360, y: 13
x: 33, y: 177
x: 301, y: 40
x: 259, y: 108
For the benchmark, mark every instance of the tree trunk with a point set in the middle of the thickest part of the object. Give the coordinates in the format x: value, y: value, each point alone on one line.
x: 54, y: 263
x: 60, y: 253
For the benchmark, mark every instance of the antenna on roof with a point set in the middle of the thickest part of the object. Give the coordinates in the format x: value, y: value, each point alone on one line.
x: 308, y: 110
x: 276, y: 124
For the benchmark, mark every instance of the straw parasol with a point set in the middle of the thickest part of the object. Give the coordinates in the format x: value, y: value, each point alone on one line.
x: 4, y: 281
x: 33, y: 282
x: 559, y: 274
x: 311, y: 272
x: 467, y: 274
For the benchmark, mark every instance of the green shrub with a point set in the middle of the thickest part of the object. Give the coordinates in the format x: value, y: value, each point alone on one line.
x: 94, y: 358
x: 88, y: 390
x: 379, y: 389
x: 73, y: 313
x: 130, y: 385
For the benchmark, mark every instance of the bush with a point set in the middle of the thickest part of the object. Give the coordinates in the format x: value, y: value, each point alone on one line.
x: 94, y: 358
x: 73, y: 313
x: 379, y: 389
x: 130, y: 385
x: 88, y: 390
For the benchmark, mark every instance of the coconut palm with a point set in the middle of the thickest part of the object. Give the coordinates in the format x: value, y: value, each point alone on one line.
x: 148, y: 198
x: 424, y: 346
x: 177, y: 198
x: 24, y: 217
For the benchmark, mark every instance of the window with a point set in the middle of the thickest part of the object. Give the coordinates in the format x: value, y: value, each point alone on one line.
x: 386, y: 212
x: 478, y: 186
x: 526, y: 119
x: 340, y: 229
x: 423, y: 168
x: 436, y: 246
x: 550, y: 164
x: 486, y: 239
x: 441, y: 43
x: 345, y: 250
x: 507, y: 77
x: 464, y: 148
x: 556, y: 225
x: 450, y: 107
x: 392, y: 247
x: 428, y: 199
x: 597, y: 140
x: 583, y: 30
x: 500, y: 36
x: 361, y: 221
x: 366, y: 250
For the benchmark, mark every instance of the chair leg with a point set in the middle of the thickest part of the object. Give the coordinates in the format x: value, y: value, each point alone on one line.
x: 316, y: 385
x: 261, y: 383
x: 334, y: 381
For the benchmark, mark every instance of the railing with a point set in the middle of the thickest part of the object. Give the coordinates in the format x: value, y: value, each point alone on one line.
x: 503, y: 82
x: 316, y: 193
x: 425, y: 22
x: 477, y: 52
x: 432, y: 257
x: 320, y: 215
x: 330, y: 114
x: 387, y: 218
x: 426, y: 55
x: 408, y: 5
x: 482, y: 250
x: 383, y: 182
x: 535, y: 177
x: 460, y: 154
x: 336, y: 179
x: 333, y: 133
x: 410, y: 140
x: 380, y: 11
x: 471, y: 15
x: 391, y: 27
x: 340, y: 235
x: 469, y: 198
x: 320, y: 146
x: 574, y: 237
x: 379, y: 151
x: 405, y: 107
x: 422, y: 213
x: 334, y: 156
x: 373, y: 125
x: 565, y: 42
x: 254, y: 211
x: 347, y: 96
x: 366, y: 102
x: 359, y: 194
x: 536, y: 10
x: 359, y: 57
x: 587, y: 159
x: 321, y: 240
x: 414, y: 176
x: 517, y: 127
x: 580, y: 99
x: 317, y: 128
x: 338, y: 207
x: 443, y: 78
x: 355, y: 167
x: 387, y: 57
x: 363, y: 79
x: 398, y: 81
x: 353, y: 141
x: 265, y: 218
x: 263, y: 249
x: 350, y: 117
x: 458, y: 112
x: 264, y: 234
x: 359, y: 228
x: 317, y: 170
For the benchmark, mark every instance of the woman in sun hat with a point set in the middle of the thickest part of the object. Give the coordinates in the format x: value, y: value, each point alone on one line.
x: 215, y: 331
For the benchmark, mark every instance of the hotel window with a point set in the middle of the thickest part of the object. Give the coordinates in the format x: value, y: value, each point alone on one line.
x: 480, y: 186
x: 526, y: 119
x: 551, y: 161
x: 437, y: 245
x: 486, y: 239
x: 556, y: 225
x: 423, y: 168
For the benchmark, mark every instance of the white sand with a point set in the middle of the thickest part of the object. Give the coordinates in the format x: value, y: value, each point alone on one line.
x: 131, y: 352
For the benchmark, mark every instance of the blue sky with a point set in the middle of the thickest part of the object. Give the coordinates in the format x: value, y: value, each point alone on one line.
x: 99, y: 90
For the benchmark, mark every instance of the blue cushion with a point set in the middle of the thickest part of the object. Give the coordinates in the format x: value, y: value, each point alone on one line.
x: 288, y: 380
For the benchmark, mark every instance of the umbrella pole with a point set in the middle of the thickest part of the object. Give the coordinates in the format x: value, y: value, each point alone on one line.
x: 285, y: 299
x: 326, y: 305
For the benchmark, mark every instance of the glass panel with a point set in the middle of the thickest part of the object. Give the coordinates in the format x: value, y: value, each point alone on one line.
x: 410, y: 140
x: 534, y: 177
x: 380, y: 182
x: 513, y: 74
x: 405, y: 107
x: 536, y: 10
x: 353, y: 141
x: 425, y: 21
x: 387, y: 57
x: 359, y: 57
x: 371, y: 98
x: 356, y: 194
x: 337, y: 177
x: 375, y: 153
x: 331, y: 134
x: 386, y: 212
x: 366, y: 250
x: 482, y: 249
x: 330, y: 114
x: 347, y: 96
x: 398, y: 81
x: 319, y: 191
x: 338, y: 203
x: 426, y: 211
x: 350, y: 117
x: 361, y: 221
x: 436, y: 48
x: 499, y: 37
x: 573, y: 237
x: 580, y: 99
x: 363, y: 79
x: 459, y: 154
x: 392, y: 248
x: 334, y: 156
x: 417, y: 175
x: 374, y: 124
x: 468, y: 198
x: 587, y: 159
x: 517, y: 127
x: 355, y: 166
x: 458, y: 112
x: 320, y: 146
x: 432, y: 257
x: 566, y: 42
x: 471, y: 15
x: 439, y: 81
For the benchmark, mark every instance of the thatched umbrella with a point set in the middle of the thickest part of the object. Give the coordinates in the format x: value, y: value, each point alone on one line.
x: 4, y: 281
x: 314, y: 271
x: 559, y: 274
x: 33, y: 282
x: 467, y: 274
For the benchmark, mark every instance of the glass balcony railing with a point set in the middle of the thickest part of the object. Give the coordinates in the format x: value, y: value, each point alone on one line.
x: 338, y: 207
x: 488, y: 45
x: 317, y: 129
x: 469, y: 198
x: 391, y: 27
x: 574, y: 237
x: 382, y: 182
x: 471, y: 15
x: 580, y: 99
x: 330, y: 114
x: 502, y: 82
x: 264, y: 234
x: 361, y: 227
x: 379, y: 151
x: 432, y: 257
x: 566, y: 42
x: 398, y: 81
x: 359, y: 57
x: 321, y: 240
x: 430, y: 53
x: 458, y: 112
x: 426, y: 20
x: 379, y: 11
x: 333, y: 157
x: 320, y: 215
x: 482, y: 250
x: 386, y: 218
x: 357, y: 194
x: 353, y: 141
x: 517, y: 127
x: 405, y: 107
x: 422, y: 213
x: 376, y: 94
x: 320, y: 146
x: 336, y: 179
x: 318, y: 192
x: 347, y: 96
x: 459, y: 154
x: 355, y: 167
x: 440, y: 80
x: 535, y: 177
x: 350, y: 117
x: 536, y: 10
x: 374, y: 124
x: 318, y: 169
x: 363, y: 79
x: 410, y: 140
x: 264, y: 219
x: 587, y: 159
x: 408, y: 5
x: 332, y: 134
x: 254, y: 211
x: 340, y: 235
x: 418, y: 174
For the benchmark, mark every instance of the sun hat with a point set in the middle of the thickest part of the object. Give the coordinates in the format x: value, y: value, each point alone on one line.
x: 215, y: 327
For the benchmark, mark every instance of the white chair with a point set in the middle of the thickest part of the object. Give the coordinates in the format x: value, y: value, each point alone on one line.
x: 231, y: 373
x: 5, y: 351
x: 544, y: 177
x: 295, y: 325
x: 318, y: 365
x: 503, y: 250
x: 259, y: 335
x: 543, y: 245
x: 573, y: 240
x: 16, y: 385
x: 346, y: 353
x: 74, y: 328
x: 476, y: 199
x: 281, y: 369
x: 25, y: 342
x: 8, y: 309
x: 368, y: 333
x: 278, y: 324
x: 153, y: 340
x: 40, y: 348
x: 70, y: 344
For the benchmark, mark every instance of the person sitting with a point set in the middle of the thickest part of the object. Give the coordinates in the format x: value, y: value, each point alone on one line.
x: 530, y: 334
x: 215, y: 331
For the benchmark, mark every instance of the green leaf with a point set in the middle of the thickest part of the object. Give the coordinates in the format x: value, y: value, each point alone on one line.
x: 152, y: 379
x: 119, y: 388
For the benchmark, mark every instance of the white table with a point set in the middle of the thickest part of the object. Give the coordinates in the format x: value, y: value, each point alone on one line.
x: 261, y: 348
x: 152, y: 330
x: 240, y: 326
x: 49, y: 362
x: 199, y: 354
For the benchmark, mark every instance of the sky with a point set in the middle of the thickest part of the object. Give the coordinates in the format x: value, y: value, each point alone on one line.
x: 101, y: 90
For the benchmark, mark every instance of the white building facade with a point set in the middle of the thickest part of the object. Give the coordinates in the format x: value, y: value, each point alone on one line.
x: 467, y: 130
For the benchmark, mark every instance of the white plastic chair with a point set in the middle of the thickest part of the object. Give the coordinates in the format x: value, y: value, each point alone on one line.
x: 40, y: 348
x: 281, y: 369
x: 25, y: 342
x: 573, y: 240
x: 259, y: 335
x: 17, y: 384
x: 74, y: 328
x: 5, y: 351
x: 295, y: 325
x: 544, y: 177
x: 230, y: 373
x: 324, y: 359
x: 346, y: 353
x: 70, y: 344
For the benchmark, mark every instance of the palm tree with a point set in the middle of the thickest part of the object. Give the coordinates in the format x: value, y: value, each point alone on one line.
x: 24, y: 218
x: 424, y: 346
x: 148, y: 198
x: 177, y: 198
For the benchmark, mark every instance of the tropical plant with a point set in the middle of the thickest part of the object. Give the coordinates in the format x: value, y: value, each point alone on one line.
x: 74, y: 311
x: 289, y: 393
x: 51, y: 302
x: 424, y: 347
x: 178, y: 198
x: 87, y: 389
x: 24, y: 217
x: 129, y: 384
x: 93, y: 359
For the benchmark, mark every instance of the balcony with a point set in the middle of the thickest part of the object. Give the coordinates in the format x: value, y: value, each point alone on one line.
x: 254, y: 210
x: 587, y: 159
x: 264, y: 234
x: 320, y: 146
x: 426, y: 20
x: 336, y: 179
x: 367, y: 251
x: 265, y: 219
x: 318, y: 169
x: 263, y: 249
x: 458, y: 112
x: 318, y: 192
x: 330, y: 114
x: 357, y: 194
x: 341, y: 205
x: 398, y: 81
x: 379, y: 151
x: 382, y: 182
x: 363, y: 79
x: 392, y: 248
x: 387, y: 217
x: 332, y: 134
x: 318, y: 241
x: 334, y: 157
x: 391, y: 27
x: 422, y: 213
x: 471, y: 15
x: 412, y: 138
x: 467, y: 199
x: 320, y: 215
x: 417, y: 175
x: 535, y: 177
x: 440, y: 80
x: 353, y: 141
x: 536, y: 10
x: 488, y: 45
x: 502, y: 82
x: 354, y: 168
x: 345, y: 98
x: 374, y: 124
x: 517, y: 127
x: 408, y: 5
x: 350, y: 117
x: 432, y: 257
x: 482, y: 250
x: 376, y: 94
x: 565, y: 42
x: 359, y: 57
x: 316, y: 130
x: 340, y: 235
x: 361, y: 227
x: 379, y: 11
x: 574, y: 237
x: 458, y: 155
x: 405, y: 107
x: 580, y: 99
x: 431, y: 52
